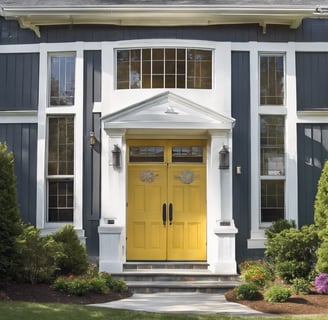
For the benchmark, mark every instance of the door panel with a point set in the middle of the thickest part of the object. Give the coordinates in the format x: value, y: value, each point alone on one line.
x: 147, y: 192
x: 187, y: 192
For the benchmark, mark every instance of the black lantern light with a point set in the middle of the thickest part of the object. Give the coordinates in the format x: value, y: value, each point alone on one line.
x: 224, y: 157
x: 116, y: 156
x: 92, y: 139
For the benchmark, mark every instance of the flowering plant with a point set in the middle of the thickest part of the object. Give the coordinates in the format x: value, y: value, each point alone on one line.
x: 321, y: 283
x: 256, y: 272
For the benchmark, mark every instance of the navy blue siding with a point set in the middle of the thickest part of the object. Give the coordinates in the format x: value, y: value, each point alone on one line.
x: 312, y: 154
x: 310, y: 30
x: 21, y: 139
x: 240, y: 90
x: 19, y: 81
x: 312, y: 79
x: 92, y: 157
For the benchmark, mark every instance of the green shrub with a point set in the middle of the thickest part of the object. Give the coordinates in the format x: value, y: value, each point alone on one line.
x: 292, y: 252
x: 75, y: 259
x: 247, y: 291
x: 300, y: 286
x: 322, y: 255
x: 321, y: 219
x: 321, y: 204
x: 10, y: 220
x: 277, y: 293
x: 257, y: 272
x: 92, y: 281
x: 278, y: 226
x: 39, y: 255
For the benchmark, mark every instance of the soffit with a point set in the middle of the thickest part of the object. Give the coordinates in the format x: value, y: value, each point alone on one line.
x: 34, y: 14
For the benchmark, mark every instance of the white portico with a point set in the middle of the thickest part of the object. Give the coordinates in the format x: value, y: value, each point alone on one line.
x: 167, y: 117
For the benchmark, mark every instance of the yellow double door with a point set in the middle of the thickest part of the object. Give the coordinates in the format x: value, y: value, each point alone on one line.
x: 166, y: 214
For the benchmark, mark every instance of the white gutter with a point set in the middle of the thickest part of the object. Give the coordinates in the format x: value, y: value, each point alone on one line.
x: 170, y: 15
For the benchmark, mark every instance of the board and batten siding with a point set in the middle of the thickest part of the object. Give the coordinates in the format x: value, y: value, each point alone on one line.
x: 311, y: 80
x: 21, y: 139
x: 91, y: 156
x: 19, y: 81
x: 312, y: 143
x: 240, y: 103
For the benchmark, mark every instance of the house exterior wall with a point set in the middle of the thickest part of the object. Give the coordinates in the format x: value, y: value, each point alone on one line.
x: 21, y: 139
x: 91, y: 156
x: 312, y: 154
x: 236, y: 47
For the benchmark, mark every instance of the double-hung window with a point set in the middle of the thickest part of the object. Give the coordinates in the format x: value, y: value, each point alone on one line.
x: 272, y: 137
x: 164, y: 68
x: 60, y: 168
x: 60, y: 138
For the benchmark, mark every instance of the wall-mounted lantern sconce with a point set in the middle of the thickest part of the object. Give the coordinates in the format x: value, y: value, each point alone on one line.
x: 224, y: 157
x: 92, y: 139
x: 116, y: 156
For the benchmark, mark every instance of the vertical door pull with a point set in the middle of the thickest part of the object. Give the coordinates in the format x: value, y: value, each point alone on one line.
x: 164, y: 214
x: 171, y: 213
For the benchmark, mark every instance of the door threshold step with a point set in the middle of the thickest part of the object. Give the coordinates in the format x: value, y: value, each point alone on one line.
x: 166, y: 265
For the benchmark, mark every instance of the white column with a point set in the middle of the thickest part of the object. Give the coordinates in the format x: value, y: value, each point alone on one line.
x: 113, y: 203
x: 221, y: 238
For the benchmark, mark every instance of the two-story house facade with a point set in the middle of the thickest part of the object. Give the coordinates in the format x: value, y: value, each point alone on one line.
x: 165, y: 131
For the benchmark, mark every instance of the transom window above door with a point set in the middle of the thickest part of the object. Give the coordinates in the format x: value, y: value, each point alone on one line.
x: 169, y: 151
x: 164, y: 68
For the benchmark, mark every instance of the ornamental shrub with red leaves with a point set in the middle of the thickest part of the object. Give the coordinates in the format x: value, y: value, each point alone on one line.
x: 321, y: 283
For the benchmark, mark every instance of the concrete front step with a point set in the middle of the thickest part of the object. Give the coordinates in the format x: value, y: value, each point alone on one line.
x: 175, y: 277
x: 180, y: 286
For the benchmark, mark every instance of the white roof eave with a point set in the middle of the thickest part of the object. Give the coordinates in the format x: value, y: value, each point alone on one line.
x: 34, y: 17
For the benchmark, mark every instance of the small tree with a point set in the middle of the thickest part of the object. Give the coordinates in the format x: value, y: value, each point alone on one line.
x: 10, y: 220
x: 321, y: 220
x: 321, y: 204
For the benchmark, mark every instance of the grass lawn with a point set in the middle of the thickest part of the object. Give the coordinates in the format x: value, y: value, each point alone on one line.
x: 51, y: 311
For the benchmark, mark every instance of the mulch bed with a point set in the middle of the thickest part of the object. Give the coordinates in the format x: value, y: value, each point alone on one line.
x: 44, y: 293
x: 312, y: 303
x: 302, y: 304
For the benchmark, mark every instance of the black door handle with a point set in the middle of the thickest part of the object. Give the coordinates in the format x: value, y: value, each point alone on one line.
x: 171, y: 213
x: 164, y: 214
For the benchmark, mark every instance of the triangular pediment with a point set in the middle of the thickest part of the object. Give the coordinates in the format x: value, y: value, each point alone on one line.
x: 167, y: 111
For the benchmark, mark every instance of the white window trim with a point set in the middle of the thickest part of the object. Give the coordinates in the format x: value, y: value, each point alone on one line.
x: 257, y: 235
x: 44, y: 110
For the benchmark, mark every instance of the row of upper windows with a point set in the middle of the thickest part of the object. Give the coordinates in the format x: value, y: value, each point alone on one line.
x: 164, y: 68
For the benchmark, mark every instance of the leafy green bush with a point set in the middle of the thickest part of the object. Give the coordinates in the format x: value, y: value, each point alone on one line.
x: 300, y: 286
x: 75, y: 259
x: 72, y: 285
x: 114, y: 284
x: 292, y: 252
x: 10, y: 220
x: 322, y: 255
x: 278, y: 226
x: 247, y: 291
x: 277, y: 293
x: 92, y: 281
x: 39, y: 255
x: 321, y: 204
x: 257, y: 272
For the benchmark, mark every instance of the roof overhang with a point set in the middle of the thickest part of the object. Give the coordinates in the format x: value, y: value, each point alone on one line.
x: 157, y: 15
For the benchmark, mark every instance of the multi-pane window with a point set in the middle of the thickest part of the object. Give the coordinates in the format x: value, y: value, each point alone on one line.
x: 62, y: 80
x: 272, y: 153
x: 272, y: 80
x: 164, y: 68
x: 60, y: 176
